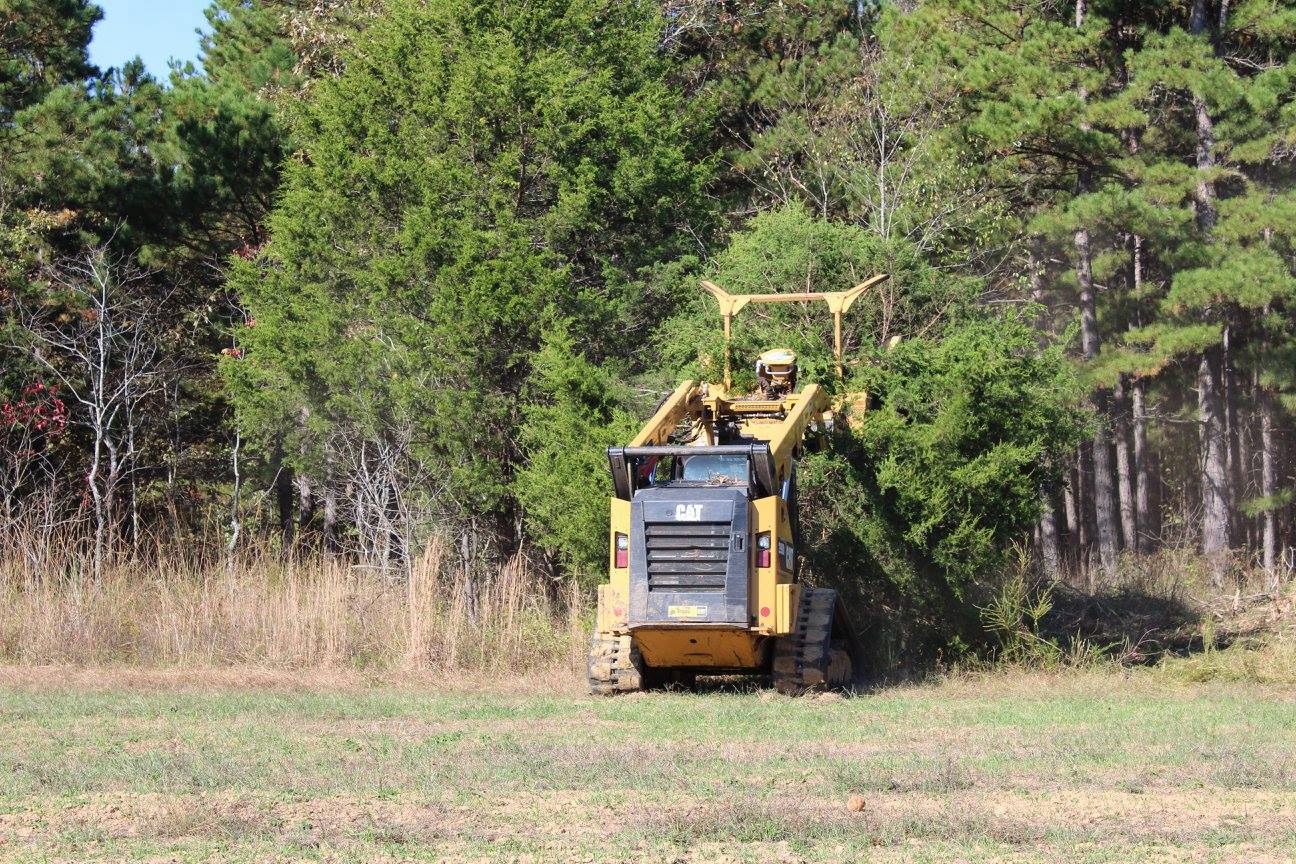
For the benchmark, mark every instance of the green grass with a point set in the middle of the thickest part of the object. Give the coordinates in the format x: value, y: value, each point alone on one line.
x: 1086, y: 767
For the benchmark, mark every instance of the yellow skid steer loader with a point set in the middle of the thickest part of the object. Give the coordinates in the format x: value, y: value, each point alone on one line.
x: 703, y: 541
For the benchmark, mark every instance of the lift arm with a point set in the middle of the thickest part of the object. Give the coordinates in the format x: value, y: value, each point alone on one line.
x: 811, y: 403
x: 684, y: 401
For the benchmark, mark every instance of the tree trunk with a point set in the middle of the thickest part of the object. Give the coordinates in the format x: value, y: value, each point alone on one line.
x: 236, y: 496
x: 112, y: 479
x: 1232, y: 435
x: 1143, y: 480
x: 1215, y: 483
x: 1269, y: 487
x: 329, y: 504
x: 383, y: 527
x: 1244, y: 484
x: 305, y: 503
x: 1205, y: 198
x: 1143, y: 528
x: 96, y: 496
x: 1124, y: 470
x: 1104, y: 480
x: 1104, y: 494
x: 330, y: 517
x: 1046, y: 530
x: 1048, y: 538
x: 283, y: 488
x: 1071, y: 512
x: 1084, y: 513
x: 132, y: 490
x: 1212, y: 432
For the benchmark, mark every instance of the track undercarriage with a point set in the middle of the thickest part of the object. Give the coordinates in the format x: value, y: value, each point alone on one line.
x: 811, y: 657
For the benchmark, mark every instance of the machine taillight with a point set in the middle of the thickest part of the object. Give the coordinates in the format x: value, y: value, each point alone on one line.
x: 622, y: 550
x: 763, y: 550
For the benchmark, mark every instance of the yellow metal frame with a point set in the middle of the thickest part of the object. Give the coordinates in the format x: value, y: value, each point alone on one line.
x: 799, y: 412
x: 614, y: 597
x: 839, y: 303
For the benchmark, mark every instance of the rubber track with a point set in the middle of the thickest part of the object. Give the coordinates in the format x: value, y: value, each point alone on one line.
x: 614, y: 665
x: 801, y: 657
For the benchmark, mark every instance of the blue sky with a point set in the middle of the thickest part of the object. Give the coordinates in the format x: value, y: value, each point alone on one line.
x: 156, y: 30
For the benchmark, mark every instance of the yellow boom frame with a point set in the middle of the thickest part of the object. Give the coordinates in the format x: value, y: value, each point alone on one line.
x: 839, y: 303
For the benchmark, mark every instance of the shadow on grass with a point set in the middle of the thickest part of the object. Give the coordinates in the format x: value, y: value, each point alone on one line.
x: 1139, y: 626
x: 1121, y: 625
x: 732, y: 683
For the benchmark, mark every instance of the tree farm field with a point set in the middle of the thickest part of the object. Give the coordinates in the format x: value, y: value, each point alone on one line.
x: 242, y: 766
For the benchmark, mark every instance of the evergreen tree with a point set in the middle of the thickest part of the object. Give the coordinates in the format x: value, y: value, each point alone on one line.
x: 43, y: 44
x: 1034, y: 79
x: 247, y: 46
x: 1232, y: 68
x: 43, y: 56
x: 475, y: 171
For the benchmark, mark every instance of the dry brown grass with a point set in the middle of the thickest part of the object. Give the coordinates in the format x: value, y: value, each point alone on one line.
x: 296, y: 611
x: 186, y: 606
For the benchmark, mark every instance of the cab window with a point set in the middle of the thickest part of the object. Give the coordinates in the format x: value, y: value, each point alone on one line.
x: 715, y: 469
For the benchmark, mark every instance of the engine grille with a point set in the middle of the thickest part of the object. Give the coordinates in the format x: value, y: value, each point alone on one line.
x: 689, y: 556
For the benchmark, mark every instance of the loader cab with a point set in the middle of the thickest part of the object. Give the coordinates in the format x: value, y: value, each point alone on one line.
x: 747, y: 467
x: 701, y: 469
x: 709, y: 468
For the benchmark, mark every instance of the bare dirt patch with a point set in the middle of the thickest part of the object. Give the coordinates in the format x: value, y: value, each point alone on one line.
x: 1163, y: 816
x: 328, y: 819
x: 1183, y: 824
x: 415, y: 729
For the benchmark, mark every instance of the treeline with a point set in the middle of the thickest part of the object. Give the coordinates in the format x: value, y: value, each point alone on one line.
x: 383, y: 269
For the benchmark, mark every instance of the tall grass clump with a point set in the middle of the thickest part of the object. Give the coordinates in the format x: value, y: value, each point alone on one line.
x: 195, y: 607
x: 1015, y: 617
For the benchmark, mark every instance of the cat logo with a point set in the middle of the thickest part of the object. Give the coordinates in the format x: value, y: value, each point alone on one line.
x: 688, y: 513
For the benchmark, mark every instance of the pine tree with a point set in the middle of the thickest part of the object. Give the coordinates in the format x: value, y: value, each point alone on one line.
x: 1226, y: 70
x: 1033, y: 83
x: 247, y: 45
x: 43, y: 44
x: 43, y: 56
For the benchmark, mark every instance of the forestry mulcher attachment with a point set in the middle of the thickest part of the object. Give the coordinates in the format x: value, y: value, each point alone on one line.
x: 703, y: 573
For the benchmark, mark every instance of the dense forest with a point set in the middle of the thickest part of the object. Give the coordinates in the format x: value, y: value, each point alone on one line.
x: 381, y: 270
